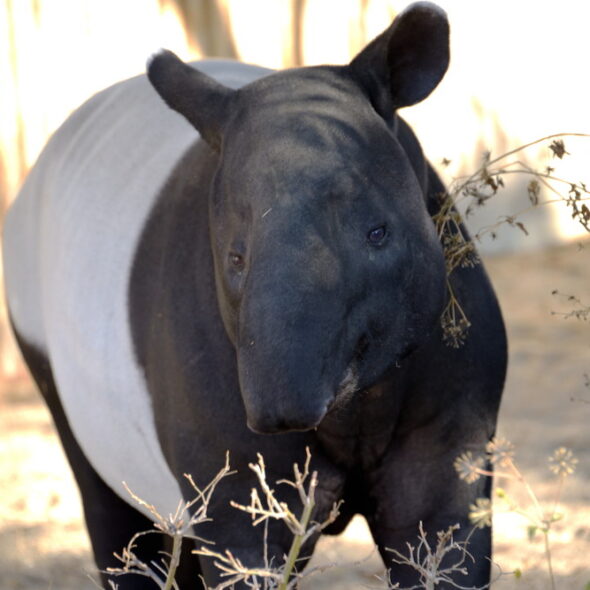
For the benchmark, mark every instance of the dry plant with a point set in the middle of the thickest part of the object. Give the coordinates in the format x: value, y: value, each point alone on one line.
x: 580, y: 311
x: 500, y: 453
x: 272, y: 576
x: 177, y: 526
x: 427, y: 560
x: 263, y: 507
x: 477, y: 189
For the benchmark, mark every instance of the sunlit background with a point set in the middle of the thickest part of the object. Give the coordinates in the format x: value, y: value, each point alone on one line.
x: 519, y: 71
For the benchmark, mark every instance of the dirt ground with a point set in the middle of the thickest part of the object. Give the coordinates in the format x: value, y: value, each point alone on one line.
x: 546, y: 405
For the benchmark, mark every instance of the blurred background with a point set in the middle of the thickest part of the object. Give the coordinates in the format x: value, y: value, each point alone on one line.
x: 518, y: 73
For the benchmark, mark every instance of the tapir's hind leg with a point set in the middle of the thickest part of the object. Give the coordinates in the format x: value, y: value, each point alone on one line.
x: 111, y: 522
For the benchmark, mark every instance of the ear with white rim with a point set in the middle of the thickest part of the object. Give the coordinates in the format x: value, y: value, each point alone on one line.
x: 198, y: 97
x: 407, y: 61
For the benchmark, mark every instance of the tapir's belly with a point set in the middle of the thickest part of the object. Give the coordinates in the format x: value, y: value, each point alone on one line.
x: 69, y: 243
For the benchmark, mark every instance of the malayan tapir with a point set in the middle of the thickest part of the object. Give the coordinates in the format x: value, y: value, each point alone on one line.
x: 259, y: 275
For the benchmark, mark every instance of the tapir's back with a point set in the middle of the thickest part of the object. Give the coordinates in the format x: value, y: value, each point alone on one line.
x: 83, y: 205
x: 69, y: 243
x: 98, y: 177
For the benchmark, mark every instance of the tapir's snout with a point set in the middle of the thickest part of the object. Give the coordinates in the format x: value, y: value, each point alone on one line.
x: 281, y: 405
x: 289, y: 361
x: 299, y: 411
x: 268, y: 424
x: 268, y: 414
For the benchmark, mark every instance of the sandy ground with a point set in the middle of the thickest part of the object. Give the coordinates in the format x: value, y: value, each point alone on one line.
x: 547, y: 404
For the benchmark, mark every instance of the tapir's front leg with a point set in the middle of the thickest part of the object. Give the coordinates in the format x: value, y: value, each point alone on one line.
x: 466, y: 566
x: 232, y: 529
x: 417, y: 486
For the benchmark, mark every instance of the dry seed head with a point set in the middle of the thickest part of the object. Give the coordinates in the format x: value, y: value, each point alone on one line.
x: 562, y: 462
x: 480, y: 513
x: 557, y: 146
x: 468, y: 467
x: 500, y: 451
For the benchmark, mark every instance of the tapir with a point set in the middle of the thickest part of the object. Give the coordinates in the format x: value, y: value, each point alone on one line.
x: 250, y: 265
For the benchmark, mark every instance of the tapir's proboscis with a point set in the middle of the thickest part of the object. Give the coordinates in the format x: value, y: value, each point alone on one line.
x: 251, y: 265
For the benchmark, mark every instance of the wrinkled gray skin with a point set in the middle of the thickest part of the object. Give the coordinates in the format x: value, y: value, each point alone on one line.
x: 306, y: 305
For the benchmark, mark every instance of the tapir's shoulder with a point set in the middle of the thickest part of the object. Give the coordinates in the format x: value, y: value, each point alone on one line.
x: 115, y: 151
x: 408, y: 140
x: 112, y: 112
x: 231, y: 73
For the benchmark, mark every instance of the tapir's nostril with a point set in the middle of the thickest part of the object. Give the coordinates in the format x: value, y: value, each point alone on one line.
x: 361, y: 347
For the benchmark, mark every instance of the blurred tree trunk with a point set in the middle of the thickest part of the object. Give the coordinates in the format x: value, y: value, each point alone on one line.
x: 297, y: 32
x: 13, y: 158
x: 207, y: 26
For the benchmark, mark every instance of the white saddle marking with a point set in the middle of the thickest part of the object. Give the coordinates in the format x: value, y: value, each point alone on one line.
x: 69, y: 243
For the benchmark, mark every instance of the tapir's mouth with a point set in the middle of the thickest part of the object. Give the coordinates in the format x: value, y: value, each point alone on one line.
x: 349, y: 384
x: 264, y: 419
x: 347, y: 387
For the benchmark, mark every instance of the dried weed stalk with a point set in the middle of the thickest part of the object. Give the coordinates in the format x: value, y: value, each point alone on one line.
x: 178, y: 525
x: 427, y: 560
x: 580, y: 311
x: 474, y: 191
x: 500, y: 453
x: 263, y: 508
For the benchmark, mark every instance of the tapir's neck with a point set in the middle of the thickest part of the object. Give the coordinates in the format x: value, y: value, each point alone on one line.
x: 357, y: 434
x: 171, y: 284
x: 412, y: 147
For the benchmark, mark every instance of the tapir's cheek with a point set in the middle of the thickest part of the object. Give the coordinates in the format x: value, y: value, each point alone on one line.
x: 323, y: 265
x: 228, y: 295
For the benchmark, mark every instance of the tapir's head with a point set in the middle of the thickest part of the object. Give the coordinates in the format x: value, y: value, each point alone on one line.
x: 328, y: 267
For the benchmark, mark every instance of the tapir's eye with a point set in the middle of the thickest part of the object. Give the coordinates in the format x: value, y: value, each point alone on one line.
x: 236, y: 261
x: 377, y: 235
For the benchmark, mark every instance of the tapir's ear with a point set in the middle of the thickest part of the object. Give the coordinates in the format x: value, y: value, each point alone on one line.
x: 196, y: 96
x: 406, y: 62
